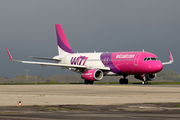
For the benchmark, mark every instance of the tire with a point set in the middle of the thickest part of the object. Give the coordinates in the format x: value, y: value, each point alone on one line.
x: 125, y: 81
x: 121, y: 81
x: 91, y: 82
x: 86, y: 82
x: 146, y: 82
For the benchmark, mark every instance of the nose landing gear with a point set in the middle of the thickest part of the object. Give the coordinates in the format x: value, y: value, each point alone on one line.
x: 145, y: 82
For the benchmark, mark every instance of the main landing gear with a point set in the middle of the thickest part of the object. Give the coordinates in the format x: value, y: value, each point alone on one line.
x: 88, y: 82
x: 123, y: 80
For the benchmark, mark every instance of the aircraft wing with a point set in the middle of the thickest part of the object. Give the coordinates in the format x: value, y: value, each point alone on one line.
x: 171, y: 60
x: 57, y: 64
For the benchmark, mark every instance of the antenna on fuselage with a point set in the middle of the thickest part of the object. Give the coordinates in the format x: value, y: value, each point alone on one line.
x: 94, y: 51
x: 143, y: 50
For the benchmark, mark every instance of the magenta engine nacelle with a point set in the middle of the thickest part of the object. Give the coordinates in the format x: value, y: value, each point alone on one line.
x: 93, y: 75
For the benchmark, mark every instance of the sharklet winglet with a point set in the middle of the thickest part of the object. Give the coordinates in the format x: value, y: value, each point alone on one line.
x: 171, y: 60
x: 10, y: 57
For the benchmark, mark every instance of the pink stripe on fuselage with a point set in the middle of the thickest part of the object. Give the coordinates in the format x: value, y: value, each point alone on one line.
x: 62, y: 35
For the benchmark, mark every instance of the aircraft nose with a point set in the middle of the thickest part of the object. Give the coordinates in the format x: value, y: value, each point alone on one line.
x: 158, y: 66
x: 155, y: 67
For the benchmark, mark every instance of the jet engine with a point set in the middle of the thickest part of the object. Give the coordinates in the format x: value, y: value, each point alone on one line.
x: 93, y: 75
x: 149, y: 77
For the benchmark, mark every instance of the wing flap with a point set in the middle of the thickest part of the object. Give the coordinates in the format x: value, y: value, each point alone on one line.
x: 44, y: 58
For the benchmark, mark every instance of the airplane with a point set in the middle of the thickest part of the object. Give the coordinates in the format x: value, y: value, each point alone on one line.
x: 94, y: 66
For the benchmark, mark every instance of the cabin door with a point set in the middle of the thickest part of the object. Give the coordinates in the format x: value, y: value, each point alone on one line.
x: 136, y: 59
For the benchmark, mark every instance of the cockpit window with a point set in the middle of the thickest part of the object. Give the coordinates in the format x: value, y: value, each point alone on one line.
x: 157, y: 58
x: 153, y: 58
x: 150, y: 58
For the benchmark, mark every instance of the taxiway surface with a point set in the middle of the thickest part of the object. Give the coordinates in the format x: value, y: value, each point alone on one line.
x: 157, y: 111
x: 87, y: 94
x: 127, y: 102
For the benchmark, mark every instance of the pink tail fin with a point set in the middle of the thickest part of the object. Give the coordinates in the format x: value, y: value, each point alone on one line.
x: 63, y: 44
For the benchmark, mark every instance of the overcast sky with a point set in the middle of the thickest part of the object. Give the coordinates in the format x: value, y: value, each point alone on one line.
x: 27, y: 28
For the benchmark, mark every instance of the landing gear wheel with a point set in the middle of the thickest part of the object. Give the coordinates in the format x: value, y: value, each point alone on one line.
x: 145, y: 82
x: 86, y: 82
x: 121, y: 81
x: 125, y: 81
x: 91, y: 82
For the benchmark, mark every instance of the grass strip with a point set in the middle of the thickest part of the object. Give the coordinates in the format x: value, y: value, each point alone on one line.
x: 48, y: 108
